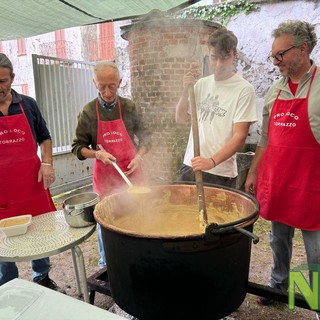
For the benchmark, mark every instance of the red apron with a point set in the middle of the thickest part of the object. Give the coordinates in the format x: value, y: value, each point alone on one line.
x: 113, y: 136
x: 20, y: 191
x: 288, y: 185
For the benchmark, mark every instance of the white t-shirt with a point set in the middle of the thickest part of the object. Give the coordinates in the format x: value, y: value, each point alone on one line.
x: 220, y: 104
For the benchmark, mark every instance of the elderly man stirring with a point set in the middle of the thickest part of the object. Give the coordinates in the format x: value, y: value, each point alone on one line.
x: 116, y: 124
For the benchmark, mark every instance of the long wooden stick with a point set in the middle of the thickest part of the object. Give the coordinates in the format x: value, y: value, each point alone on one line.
x: 196, y: 150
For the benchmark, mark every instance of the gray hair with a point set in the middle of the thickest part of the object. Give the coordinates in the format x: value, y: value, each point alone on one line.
x: 6, y: 63
x: 106, y: 64
x: 300, y: 32
x: 223, y: 40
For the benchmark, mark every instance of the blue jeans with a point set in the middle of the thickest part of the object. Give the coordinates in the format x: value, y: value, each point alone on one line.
x: 102, y: 261
x: 281, y: 244
x: 9, y: 270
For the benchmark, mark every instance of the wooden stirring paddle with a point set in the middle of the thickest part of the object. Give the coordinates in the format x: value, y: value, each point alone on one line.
x: 196, y: 149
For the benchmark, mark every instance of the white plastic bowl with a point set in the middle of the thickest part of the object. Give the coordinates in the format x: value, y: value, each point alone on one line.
x: 15, y: 226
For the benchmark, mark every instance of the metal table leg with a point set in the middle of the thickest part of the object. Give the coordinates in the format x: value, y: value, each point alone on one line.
x: 80, y: 272
x: 76, y: 270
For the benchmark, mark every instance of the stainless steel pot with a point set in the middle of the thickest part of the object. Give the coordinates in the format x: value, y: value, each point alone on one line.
x: 78, y: 209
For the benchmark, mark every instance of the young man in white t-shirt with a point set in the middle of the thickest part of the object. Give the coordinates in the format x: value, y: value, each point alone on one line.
x: 226, y: 106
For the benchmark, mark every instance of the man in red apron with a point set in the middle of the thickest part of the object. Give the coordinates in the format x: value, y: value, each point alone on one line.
x: 285, y: 172
x: 24, y: 178
x: 115, y: 123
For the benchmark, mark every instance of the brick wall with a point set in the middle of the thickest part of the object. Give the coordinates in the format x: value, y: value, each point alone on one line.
x: 160, y: 52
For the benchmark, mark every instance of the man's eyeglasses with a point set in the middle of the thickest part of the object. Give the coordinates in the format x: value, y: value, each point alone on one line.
x: 279, y: 55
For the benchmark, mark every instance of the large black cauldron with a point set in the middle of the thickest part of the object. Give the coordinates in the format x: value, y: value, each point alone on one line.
x: 201, y: 276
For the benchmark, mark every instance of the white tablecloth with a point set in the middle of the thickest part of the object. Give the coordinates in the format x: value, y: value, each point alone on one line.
x: 24, y: 300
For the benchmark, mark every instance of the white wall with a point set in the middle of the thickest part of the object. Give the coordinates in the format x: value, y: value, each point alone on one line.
x: 254, y: 35
x: 23, y: 64
x: 122, y: 58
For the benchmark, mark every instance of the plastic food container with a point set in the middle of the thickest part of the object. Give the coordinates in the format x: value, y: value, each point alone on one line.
x: 15, y: 226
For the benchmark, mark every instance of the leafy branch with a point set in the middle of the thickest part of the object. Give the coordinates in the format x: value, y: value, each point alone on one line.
x: 221, y: 12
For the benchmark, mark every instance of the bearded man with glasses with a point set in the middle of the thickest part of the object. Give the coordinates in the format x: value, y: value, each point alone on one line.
x: 285, y: 173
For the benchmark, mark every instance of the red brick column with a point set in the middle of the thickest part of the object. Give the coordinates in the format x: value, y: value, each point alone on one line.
x: 160, y: 52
